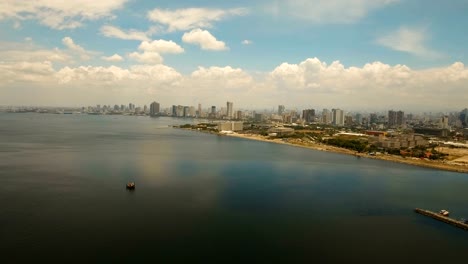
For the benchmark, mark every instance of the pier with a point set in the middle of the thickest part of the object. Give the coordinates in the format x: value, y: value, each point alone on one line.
x: 442, y: 218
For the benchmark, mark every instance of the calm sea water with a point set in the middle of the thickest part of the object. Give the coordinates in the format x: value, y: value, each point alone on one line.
x: 207, y: 198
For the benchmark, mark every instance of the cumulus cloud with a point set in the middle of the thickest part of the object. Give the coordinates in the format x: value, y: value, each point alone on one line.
x: 113, y: 58
x: 77, y: 49
x: 204, y: 39
x: 115, y: 32
x: 190, y: 18
x: 310, y: 83
x: 326, y: 11
x: 147, y: 57
x: 161, y: 46
x: 246, y: 42
x: 59, y: 14
x: 410, y: 40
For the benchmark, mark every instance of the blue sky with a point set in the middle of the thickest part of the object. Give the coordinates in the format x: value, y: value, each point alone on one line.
x: 302, y: 53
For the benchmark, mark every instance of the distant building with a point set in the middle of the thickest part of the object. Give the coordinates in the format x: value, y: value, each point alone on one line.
x: 439, y: 132
x: 308, y: 115
x: 395, y: 119
x: 259, y: 117
x: 239, y: 115
x: 337, y: 117
x: 326, y: 116
x: 229, y: 111
x: 200, y: 113
x: 231, y: 126
x: 280, y: 131
x: 154, y: 109
x: 281, y: 109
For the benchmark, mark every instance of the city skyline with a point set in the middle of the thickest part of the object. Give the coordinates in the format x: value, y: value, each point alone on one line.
x: 366, y: 55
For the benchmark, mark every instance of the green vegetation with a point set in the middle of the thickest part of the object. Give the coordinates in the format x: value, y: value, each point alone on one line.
x: 352, y: 144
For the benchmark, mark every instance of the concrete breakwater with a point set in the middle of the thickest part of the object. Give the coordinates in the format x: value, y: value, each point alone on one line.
x: 442, y: 218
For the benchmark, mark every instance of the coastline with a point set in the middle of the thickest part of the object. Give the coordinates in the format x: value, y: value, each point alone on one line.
x: 322, y: 147
x: 327, y: 148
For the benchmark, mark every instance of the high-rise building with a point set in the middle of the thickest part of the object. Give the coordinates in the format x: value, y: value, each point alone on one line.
x: 229, y: 111
x: 281, y: 109
x: 308, y: 115
x: 326, y: 116
x: 395, y: 119
x: 239, y: 115
x: 463, y: 116
x: 213, y: 110
x: 337, y: 117
x: 154, y: 109
x: 199, y: 114
x: 192, y: 112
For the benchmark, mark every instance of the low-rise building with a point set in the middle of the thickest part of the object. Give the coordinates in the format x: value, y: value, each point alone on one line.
x: 231, y: 126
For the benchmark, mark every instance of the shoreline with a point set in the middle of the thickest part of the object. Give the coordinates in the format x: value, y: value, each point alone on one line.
x: 327, y: 148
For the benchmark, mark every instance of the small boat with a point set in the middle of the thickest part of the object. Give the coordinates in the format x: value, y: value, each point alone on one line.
x: 444, y: 212
x: 131, y: 185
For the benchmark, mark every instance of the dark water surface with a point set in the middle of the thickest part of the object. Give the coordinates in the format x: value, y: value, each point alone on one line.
x: 206, y: 198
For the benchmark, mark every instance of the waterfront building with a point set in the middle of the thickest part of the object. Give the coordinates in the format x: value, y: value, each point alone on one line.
x: 192, y: 112
x: 231, y: 126
x: 154, y: 109
x: 186, y: 111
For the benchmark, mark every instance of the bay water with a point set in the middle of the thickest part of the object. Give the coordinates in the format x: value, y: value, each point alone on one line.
x: 208, y: 198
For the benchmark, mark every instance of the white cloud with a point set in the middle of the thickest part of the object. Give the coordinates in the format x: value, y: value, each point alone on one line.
x: 310, y: 83
x: 77, y: 49
x: 204, y: 39
x: 59, y: 14
x: 20, y: 52
x: 115, y: 32
x: 161, y: 46
x: 408, y: 40
x: 113, y: 58
x: 246, y: 42
x: 190, y: 18
x: 326, y: 11
x: 147, y: 57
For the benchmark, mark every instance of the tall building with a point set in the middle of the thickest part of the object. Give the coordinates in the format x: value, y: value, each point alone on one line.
x: 154, y: 109
x: 229, y: 112
x: 174, y: 110
x: 463, y: 116
x: 308, y: 115
x: 281, y: 109
x: 337, y: 117
x: 186, y: 111
x: 213, y: 110
x: 200, y: 114
x: 395, y: 119
x: 326, y: 116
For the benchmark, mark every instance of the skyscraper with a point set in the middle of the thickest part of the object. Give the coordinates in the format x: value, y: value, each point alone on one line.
x: 338, y: 117
x: 154, y: 109
x: 229, y: 111
x: 308, y: 115
x: 280, y: 109
x: 395, y: 119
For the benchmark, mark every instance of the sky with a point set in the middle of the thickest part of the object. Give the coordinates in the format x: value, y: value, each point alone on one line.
x: 353, y: 55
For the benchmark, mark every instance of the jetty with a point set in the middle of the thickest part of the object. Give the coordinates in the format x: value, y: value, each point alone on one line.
x: 445, y: 219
